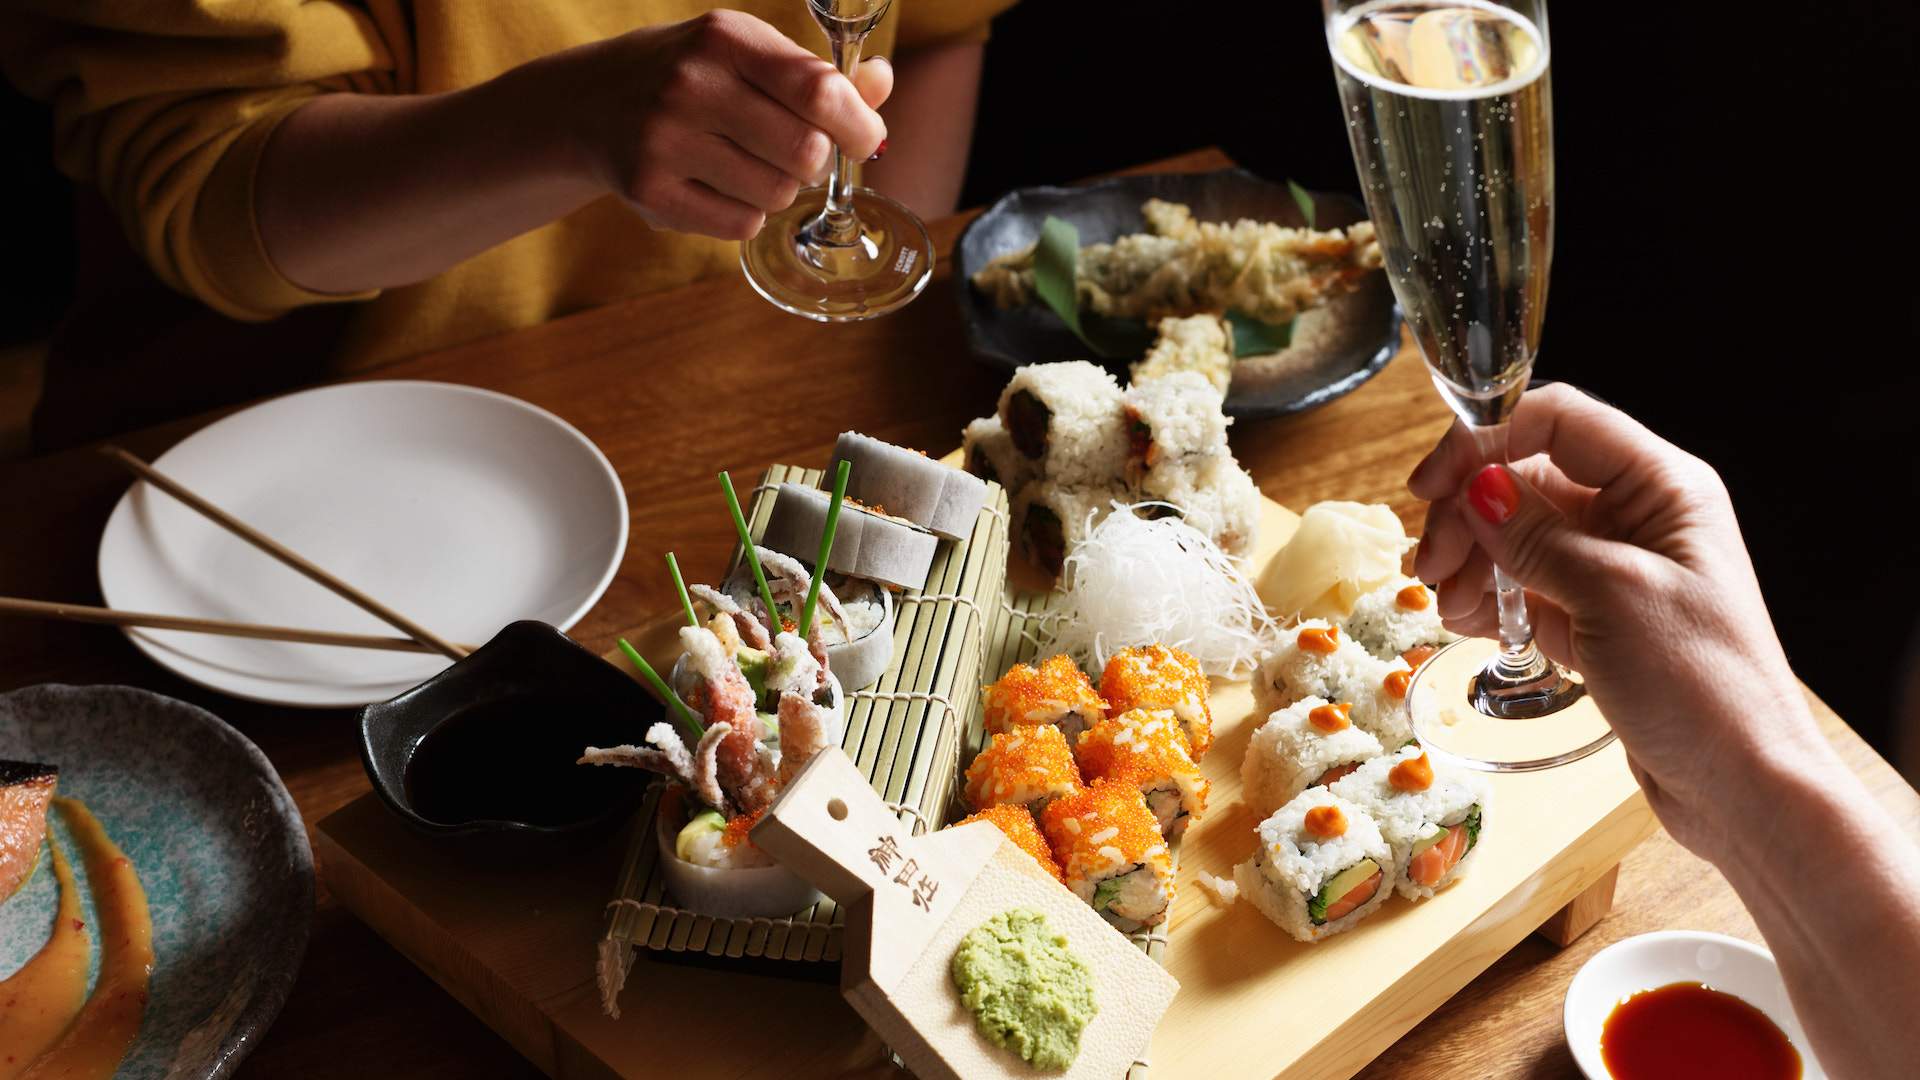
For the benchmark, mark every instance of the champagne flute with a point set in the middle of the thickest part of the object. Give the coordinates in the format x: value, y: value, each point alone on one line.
x: 1448, y: 110
x: 840, y: 253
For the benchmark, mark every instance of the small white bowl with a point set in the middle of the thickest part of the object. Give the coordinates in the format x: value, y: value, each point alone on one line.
x: 1649, y: 961
x: 759, y: 891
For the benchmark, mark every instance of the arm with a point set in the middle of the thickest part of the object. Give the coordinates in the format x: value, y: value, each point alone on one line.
x: 1636, y: 575
x: 703, y: 126
x: 930, y: 124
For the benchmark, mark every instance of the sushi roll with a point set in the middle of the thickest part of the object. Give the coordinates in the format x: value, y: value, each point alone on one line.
x: 1110, y: 848
x: 1431, y: 816
x: 1057, y: 693
x: 867, y: 543
x: 990, y: 455
x: 1320, y: 864
x: 1196, y: 343
x: 1380, y: 704
x: 937, y: 497
x: 1315, y: 659
x: 1029, y: 766
x: 1018, y: 825
x: 1172, y: 419
x: 1308, y: 744
x: 1146, y: 748
x: 1067, y: 419
x: 1049, y: 520
x: 1213, y: 494
x: 1400, y: 619
x: 1161, y: 677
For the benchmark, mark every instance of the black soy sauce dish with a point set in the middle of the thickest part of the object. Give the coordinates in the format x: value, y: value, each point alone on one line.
x: 482, y: 754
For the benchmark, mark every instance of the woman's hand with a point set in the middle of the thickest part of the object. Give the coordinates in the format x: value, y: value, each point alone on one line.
x: 708, y: 125
x: 1636, y: 577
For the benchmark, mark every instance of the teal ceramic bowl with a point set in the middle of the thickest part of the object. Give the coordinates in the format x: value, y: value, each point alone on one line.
x: 218, y: 846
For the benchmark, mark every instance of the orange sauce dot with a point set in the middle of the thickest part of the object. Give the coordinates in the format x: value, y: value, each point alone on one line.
x: 1326, y: 822
x: 1330, y: 718
x: 1413, y: 774
x: 1397, y: 682
x: 1320, y: 639
x: 1414, y: 597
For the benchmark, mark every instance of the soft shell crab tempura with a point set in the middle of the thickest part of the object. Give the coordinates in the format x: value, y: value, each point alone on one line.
x: 765, y: 706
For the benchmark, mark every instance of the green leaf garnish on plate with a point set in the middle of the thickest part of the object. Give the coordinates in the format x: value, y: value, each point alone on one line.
x: 1251, y: 337
x: 1304, y: 200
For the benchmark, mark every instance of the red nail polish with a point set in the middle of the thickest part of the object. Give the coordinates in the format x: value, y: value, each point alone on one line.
x: 1493, y: 495
x: 879, y: 151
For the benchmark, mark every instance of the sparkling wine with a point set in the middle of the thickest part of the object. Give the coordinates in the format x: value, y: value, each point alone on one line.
x: 1448, y: 108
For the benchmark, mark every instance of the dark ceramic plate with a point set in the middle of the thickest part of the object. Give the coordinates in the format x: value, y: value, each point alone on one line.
x: 219, y: 848
x: 546, y: 698
x: 1335, y: 348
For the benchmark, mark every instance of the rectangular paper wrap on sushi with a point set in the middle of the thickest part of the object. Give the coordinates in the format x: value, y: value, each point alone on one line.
x: 907, y: 733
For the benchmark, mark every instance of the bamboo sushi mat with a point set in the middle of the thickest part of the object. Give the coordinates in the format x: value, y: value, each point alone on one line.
x: 905, y: 732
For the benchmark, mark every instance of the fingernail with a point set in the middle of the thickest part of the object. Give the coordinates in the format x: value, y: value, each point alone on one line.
x: 879, y: 151
x: 1493, y: 495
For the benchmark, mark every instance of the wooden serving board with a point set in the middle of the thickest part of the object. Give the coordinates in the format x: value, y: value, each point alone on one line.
x: 516, y: 945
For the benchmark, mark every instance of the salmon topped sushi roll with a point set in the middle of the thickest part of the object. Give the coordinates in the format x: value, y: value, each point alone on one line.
x: 1308, y: 744
x: 1160, y: 677
x: 1146, y: 748
x: 1431, y: 816
x: 1056, y: 693
x: 1028, y: 766
x: 1018, y: 825
x: 1110, y: 848
x: 1319, y: 866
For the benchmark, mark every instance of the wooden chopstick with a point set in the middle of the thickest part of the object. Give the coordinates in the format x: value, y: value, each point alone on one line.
x: 109, y: 617
x: 265, y: 543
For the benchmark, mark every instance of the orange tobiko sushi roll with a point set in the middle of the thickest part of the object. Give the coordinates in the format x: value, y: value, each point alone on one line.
x: 1018, y: 825
x: 1161, y: 677
x: 1028, y: 766
x: 1056, y: 692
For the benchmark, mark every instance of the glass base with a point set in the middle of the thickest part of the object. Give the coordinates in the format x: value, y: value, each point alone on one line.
x: 885, y: 264
x: 1551, y: 721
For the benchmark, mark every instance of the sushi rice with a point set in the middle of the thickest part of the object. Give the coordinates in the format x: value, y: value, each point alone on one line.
x: 1387, y: 628
x: 1175, y: 418
x: 1289, y: 754
x: 1110, y: 848
x: 1214, y: 494
x: 1292, y: 672
x: 1411, y: 821
x: 1291, y: 867
x: 1051, y: 519
x: 1067, y: 418
x: 989, y: 453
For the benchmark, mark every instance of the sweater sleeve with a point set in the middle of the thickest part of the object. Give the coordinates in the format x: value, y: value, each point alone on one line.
x: 925, y: 23
x: 165, y: 105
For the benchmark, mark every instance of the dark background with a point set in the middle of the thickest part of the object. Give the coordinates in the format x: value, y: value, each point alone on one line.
x: 1733, y: 263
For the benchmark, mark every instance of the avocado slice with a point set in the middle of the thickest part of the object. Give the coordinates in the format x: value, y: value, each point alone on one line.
x: 1105, y: 892
x: 707, y: 821
x: 1427, y: 841
x: 1338, y: 886
x: 755, y: 665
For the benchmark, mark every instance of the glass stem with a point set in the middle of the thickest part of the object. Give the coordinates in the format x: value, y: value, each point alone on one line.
x: 1520, y: 661
x: 837, y: 223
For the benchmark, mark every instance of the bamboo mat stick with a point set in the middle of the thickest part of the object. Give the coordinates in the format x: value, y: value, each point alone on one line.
x: 267, y: 544
x: 100, y: 616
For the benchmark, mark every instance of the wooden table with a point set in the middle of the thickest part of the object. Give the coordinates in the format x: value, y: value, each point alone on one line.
x: 646, y: 380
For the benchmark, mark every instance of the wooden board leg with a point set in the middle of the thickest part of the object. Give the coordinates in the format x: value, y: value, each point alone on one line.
x: 1565, y: 926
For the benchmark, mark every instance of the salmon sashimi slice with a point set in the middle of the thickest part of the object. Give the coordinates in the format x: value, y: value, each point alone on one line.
x: 26, y: 789
x: 1418, y: 655
x: 1356, y: 896
x: 1335, y: 773
x: 1430, y: 866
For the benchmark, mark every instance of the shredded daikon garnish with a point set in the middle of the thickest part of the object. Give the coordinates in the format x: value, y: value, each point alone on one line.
x: 1139, y: 582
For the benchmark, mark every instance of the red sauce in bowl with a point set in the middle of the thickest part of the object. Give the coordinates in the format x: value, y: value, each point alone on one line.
x: 1694, y: 1031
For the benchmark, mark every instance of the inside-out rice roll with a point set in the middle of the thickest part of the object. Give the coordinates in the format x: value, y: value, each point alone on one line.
x: 1319, y: 866
x: 1161, y: 677
x: 1308, y: 744
x: 1027, y: 766
x: 1049, y: 519
x: 1175, y: 418
x: 1396, y: 619
x: 988, y: 453
x: 1067, y: 418
x: 1431, y: 816
x: 1017, y: 823
x: 1215, y: 495
x: 1055, y: 692
x: 1146, y: 748
x: 1110, y: 848
x: 1314, y: 659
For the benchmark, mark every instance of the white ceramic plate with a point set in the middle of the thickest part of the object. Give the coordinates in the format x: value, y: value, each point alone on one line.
x: 462, y: 508
x: 1648, y: 961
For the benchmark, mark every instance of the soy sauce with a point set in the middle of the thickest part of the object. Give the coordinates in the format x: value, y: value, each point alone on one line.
x: 1694, y: 1031
x: 513, y: 760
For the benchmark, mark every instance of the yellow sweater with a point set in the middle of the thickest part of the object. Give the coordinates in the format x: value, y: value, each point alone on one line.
x: 165, y: 105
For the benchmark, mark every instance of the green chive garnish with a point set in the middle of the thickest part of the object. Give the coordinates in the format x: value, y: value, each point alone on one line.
x: 826, y: 545
x: 680, y: 583
x: 663, y: 691
x: 753, y: 557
